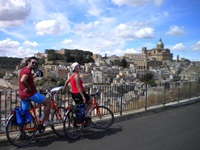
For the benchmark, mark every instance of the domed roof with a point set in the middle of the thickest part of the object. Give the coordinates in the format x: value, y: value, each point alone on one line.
x: 160, y: 43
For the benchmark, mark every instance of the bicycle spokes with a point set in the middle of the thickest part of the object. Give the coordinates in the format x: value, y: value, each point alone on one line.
x: 58, y: 119
x: 102, y: 117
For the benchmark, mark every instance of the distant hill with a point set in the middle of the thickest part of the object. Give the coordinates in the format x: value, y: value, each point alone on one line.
x: 69, y: 55
x: 9, y: 63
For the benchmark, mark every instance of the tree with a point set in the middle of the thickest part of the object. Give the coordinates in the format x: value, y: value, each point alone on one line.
x: 149, y: 79
x: 124, y: 63
x: 79, y: 56
x: 9, y: 63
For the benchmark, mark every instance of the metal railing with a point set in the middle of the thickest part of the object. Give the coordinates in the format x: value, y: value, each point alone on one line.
x: 118, y: 98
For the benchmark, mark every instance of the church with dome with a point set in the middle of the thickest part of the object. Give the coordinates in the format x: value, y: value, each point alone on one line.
x: 159, y: 53
x: 150, y: 59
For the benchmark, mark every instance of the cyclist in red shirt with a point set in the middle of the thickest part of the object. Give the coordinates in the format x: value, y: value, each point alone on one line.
x: 78, y: 91
x: 27, y: 90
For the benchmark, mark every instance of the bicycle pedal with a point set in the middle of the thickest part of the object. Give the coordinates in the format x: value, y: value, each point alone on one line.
x: 86, y: 125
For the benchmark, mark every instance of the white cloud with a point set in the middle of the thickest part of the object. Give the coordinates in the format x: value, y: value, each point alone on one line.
x: 8, y: 43
x: 22, y: 52
x: 145, y: 33
x: 131, y: 50
x: 118, y: 52
x: 132, y: 31
x: 31, y: 44
x: 179, y: 47
x: 67, y: 42
x: 85, y: 27
x: 136, y: 2
x: 11, y: 48
x: 175, y: 31
x: 53, y: 26
x: 94, y: 10
x: 48, y: 27
x: 13, y: 12
x: 14, y: 23
x: 196, y: 46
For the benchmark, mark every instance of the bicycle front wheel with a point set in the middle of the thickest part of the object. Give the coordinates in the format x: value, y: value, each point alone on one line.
x: 102, y: 117
x: 58, y: 118
x: 20, y: 135
x: 71, y: 128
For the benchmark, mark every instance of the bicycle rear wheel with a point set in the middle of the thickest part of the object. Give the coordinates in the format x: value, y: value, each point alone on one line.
x: 102, y: 117
x: 58, y: 118
x: 20, y: 135
x: 71, y: 128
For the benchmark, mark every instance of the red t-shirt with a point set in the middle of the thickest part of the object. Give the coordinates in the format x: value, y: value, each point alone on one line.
x: 74, y: 86
x: 23, y: 95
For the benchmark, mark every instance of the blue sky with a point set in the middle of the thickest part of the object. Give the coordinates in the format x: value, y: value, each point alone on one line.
x: 111, y: 27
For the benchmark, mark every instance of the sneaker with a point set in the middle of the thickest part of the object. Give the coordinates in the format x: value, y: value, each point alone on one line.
x: 48, y: 123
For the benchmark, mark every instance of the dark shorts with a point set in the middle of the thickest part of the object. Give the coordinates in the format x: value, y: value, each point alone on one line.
x: 78, y: 98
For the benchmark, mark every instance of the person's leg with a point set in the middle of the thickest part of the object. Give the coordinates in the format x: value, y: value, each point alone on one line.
x: 78, y: 99
x: 47, y: 107
x: 41, y: 99
x: 88, y: 103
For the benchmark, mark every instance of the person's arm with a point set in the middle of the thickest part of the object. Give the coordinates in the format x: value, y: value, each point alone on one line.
x: 77, y: 79
x: 66, y: 83
x: 23, y: 80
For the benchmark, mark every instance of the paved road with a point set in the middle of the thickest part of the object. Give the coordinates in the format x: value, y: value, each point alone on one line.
x: 172, y: 129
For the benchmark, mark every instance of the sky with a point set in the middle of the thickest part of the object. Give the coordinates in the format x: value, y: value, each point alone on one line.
x: 105, y: 27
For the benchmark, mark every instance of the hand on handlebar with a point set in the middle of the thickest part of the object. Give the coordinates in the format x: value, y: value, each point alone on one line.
x: 63, y: 88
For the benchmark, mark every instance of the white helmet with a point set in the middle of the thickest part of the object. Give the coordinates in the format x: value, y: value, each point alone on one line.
x: 72, y: 67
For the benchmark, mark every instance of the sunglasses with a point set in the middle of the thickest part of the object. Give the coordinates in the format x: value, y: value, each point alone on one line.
x: 34, y: 63
x: 78, y: 66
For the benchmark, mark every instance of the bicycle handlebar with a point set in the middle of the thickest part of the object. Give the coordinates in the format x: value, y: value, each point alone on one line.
x: 53, y: 90
x: 56, y: 89
x: 96, y: 92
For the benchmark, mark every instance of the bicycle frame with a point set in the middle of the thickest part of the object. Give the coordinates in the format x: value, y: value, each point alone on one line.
x: 37, y: 119
x: 36, y: 125
x: 34, y: 108
x: 101, y: 117
x: 94, y: 104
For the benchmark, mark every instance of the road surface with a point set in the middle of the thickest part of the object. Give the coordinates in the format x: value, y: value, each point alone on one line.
x: 172, y: 129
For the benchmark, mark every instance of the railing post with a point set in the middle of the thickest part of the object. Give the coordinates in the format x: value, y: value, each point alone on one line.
x: 189, y: 90
x: 0, y: 113
x: 164, y: 100
x: 121, y: 94
x: 146, y: 98
x: 199, y: 87
x: 179, y: 93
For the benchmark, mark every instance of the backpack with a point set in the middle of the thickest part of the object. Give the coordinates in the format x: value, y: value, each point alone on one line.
x: 80, y: 112
x: 22, y: 116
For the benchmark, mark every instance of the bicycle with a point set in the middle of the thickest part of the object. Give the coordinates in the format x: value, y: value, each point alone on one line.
x: 101, y: 118
x: 23, y: 135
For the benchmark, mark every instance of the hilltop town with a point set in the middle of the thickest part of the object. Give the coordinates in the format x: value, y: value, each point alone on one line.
x: 114, y: 70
